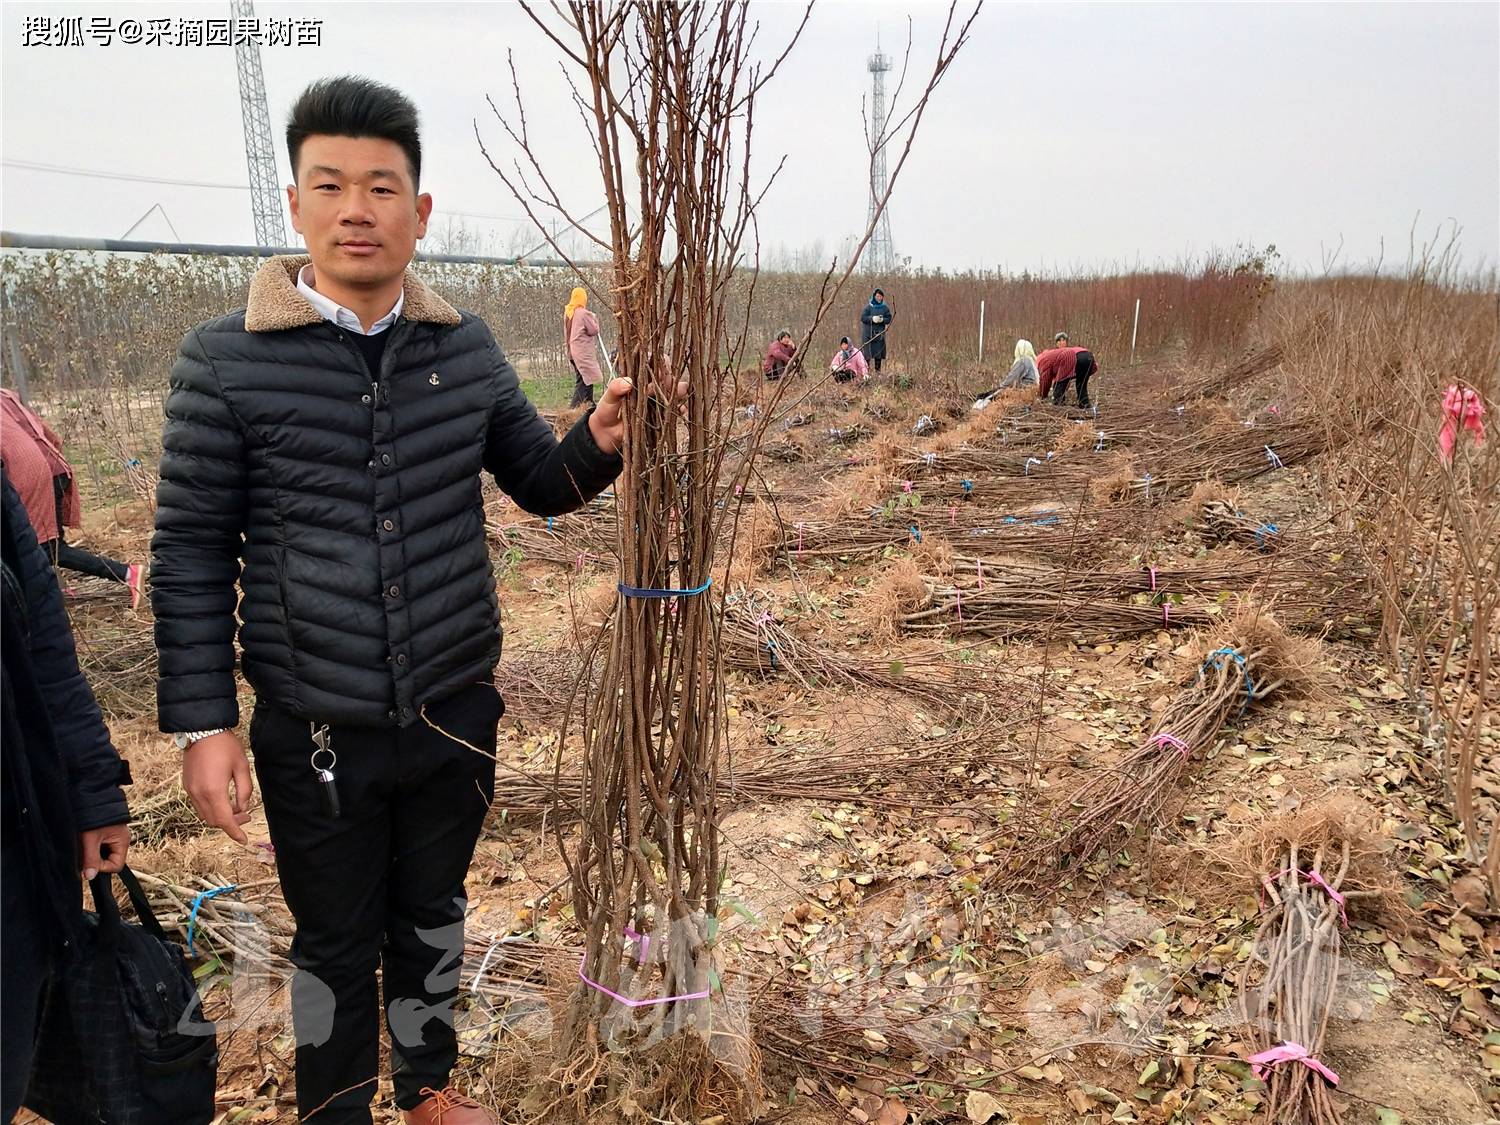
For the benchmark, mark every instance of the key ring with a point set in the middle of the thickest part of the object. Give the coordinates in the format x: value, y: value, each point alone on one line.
x: 333, y: 758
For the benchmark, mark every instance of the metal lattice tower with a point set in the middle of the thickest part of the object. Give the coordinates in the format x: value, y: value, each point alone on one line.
x: 880, y: 255
x: 260, y: 148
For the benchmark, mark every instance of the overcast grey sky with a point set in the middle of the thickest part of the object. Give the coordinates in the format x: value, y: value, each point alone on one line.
x: 1066, y: 136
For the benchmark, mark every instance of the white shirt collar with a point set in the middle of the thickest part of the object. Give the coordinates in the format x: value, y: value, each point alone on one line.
x: 344, y: 318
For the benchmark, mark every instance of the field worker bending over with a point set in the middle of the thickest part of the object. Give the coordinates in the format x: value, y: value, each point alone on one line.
x: 1061, y: 364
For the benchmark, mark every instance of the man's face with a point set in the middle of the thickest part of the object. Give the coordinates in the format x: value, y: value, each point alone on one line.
x: 357, y: 208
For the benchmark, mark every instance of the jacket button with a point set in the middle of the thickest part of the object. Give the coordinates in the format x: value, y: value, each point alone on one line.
x: 385, y: 458
x: 394, y: 591
x: 365, y: 399
x: 401, y: 658
x: 406, y: 712
x: 390, y: 714
x: 389, y: 525
x: 371, y: 466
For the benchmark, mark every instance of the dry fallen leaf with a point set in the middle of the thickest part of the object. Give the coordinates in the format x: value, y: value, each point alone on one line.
x: 981, y: 1107
x: 1081, y: 1102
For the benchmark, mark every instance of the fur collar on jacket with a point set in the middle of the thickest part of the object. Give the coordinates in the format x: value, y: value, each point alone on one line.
x: 275, y: 305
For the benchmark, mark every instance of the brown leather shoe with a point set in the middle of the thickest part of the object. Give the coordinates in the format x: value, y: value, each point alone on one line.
x: 447, y: 1107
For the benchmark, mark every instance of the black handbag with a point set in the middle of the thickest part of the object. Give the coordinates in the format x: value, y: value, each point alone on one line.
x: 123, y: 1040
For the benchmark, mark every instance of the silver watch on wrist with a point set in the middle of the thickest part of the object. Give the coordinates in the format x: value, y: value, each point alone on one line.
x: 185, y: 740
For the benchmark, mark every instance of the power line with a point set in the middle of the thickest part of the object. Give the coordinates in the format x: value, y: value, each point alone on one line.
x: 98, y: 173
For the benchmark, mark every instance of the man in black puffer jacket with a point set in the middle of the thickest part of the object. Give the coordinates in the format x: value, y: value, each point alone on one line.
x: 330, y: 437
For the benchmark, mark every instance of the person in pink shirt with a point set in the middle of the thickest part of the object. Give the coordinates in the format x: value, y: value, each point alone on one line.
x: 581, y: 329
x: 34, y: 460
x: 848, y: 363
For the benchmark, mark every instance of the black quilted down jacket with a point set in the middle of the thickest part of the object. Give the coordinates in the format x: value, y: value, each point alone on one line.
x: 353, y: 499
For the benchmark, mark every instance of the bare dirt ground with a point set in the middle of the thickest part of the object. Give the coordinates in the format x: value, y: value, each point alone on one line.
x: 909, y: 987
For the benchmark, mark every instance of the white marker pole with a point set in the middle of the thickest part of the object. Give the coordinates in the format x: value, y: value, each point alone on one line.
x: 1133, y: 329
x: 981, y: 331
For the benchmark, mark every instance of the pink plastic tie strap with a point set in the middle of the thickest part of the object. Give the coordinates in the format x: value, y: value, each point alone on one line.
x: 1152, y: 569
x: 1316, y: 878
x: 643, y: 940
x: 1164, y: 738
x: 1463, y: 409
x: 979, y: 566
x: 1166, y: 613
x: 1289, y: 1052
x: 906, y: 486
x: 629, y: 1003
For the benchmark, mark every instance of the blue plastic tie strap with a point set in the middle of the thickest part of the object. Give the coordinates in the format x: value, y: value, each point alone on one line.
x: 198, y: 900
x: 1216, y: 659
x: 916, y: 533
x: 1048, y: 522
x: 968, y: 485
x: 1263, y: 531
x: 649, y: 592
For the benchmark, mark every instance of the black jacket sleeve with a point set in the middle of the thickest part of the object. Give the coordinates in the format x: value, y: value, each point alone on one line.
x: 95, y: 771
x: 195, y: 554
x: 544, y: 476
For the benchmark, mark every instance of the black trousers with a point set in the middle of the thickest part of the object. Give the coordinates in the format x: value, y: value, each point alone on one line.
x: 380, y: 887
x: 72, y: 558
x: 24, y: 973
x: 84, y: 562
x: 1080, y: 381
x: 582, y: 392
x: 1084, y: 369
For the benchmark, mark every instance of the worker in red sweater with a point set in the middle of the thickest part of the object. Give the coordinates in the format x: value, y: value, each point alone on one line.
x: 778, y: 356
x: 1061, y: 364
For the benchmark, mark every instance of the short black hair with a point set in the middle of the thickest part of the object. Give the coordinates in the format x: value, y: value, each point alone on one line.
x: 355, y: 107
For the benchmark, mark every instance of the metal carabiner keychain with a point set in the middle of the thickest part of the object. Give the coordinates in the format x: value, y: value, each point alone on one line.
x: 327, y: 789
